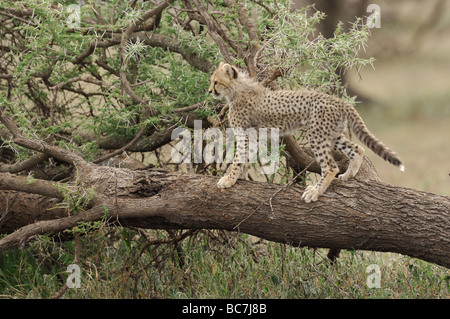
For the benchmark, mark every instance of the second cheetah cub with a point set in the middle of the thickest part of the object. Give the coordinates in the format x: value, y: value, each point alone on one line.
x: 325, y: 116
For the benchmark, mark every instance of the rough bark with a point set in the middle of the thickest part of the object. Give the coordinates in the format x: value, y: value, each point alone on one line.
x: 351, y: 215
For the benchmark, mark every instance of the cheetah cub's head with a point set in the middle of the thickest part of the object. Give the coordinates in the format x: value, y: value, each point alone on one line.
x: 223, y: 81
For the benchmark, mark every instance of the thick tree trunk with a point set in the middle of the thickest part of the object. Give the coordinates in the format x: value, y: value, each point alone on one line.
x: 351, y: 215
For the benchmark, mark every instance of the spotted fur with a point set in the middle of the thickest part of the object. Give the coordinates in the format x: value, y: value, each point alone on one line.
x: 325, y: 116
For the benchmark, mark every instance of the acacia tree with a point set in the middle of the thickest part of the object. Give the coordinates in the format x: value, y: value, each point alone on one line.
x: 81, y: 85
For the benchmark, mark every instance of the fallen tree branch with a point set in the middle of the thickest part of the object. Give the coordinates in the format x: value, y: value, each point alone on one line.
x: 21, y: 183
x: 351, y: 215
x: 39, y: 146
x: 21, y: 166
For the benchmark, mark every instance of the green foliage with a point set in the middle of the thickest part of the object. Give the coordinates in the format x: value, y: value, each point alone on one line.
x: 76, y: 197
x: 307, y: 58
x: 51, y: 45
x: 288, y: 41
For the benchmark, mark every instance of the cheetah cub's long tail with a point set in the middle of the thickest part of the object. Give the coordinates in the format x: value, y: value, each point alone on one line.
x: 365, y: 136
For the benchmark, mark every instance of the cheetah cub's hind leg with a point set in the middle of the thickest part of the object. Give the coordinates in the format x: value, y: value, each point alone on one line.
x: 354, y: 154
x: 329, y: 170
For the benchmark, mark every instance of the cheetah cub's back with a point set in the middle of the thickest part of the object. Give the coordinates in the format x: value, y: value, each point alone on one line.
x: 326, y: 118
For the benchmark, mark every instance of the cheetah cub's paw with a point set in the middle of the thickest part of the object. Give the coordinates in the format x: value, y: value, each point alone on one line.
x: 346, y: 176
x: 311, y: 194
x: 226, y: 182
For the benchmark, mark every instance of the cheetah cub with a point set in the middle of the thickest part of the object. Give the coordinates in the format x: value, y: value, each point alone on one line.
x: 325, y: 116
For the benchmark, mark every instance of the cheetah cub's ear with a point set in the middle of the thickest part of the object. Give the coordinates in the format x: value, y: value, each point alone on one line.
x: 230, y: 70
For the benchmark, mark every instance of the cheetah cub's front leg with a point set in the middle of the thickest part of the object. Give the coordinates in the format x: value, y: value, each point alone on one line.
x: 240, y: 165
x: 226, y: 182
x: 230, y: 179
